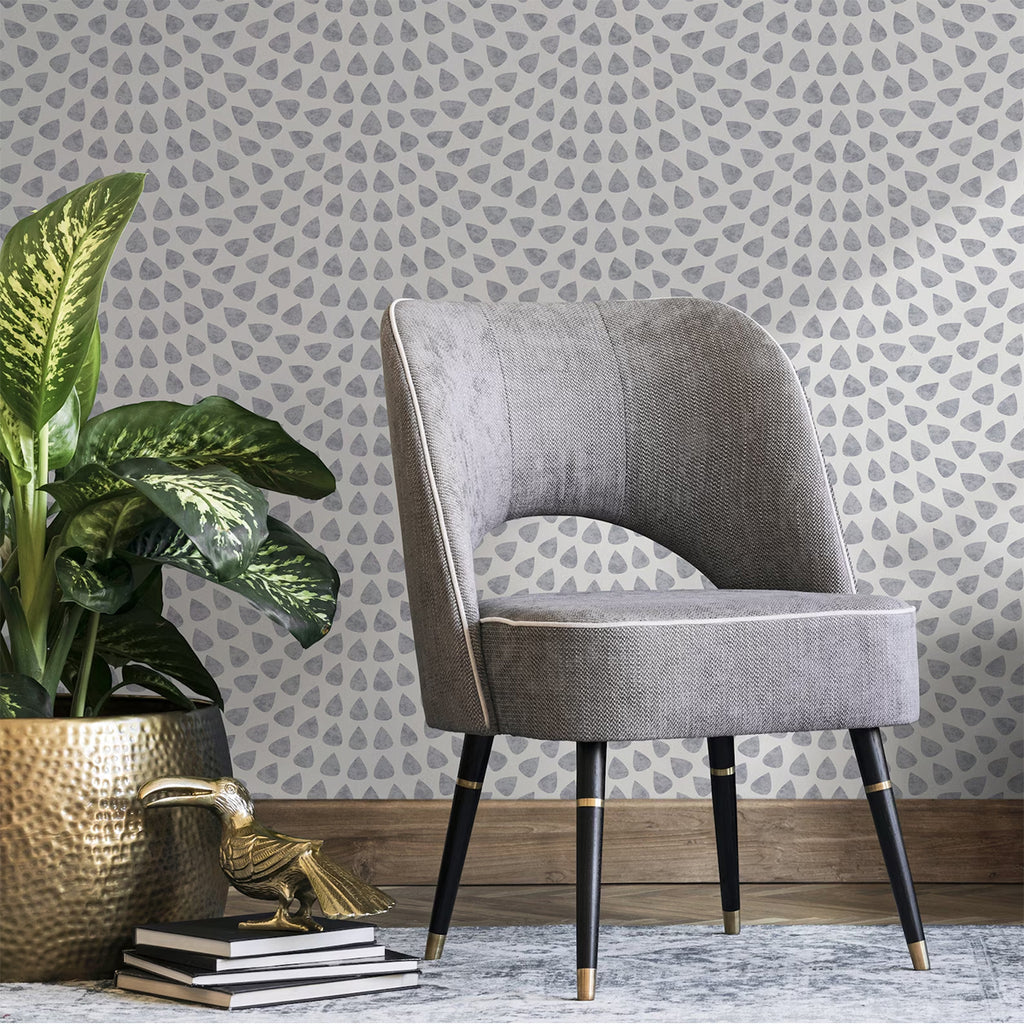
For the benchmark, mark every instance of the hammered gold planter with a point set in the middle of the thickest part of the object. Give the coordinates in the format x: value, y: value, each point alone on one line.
x: 81, y: 861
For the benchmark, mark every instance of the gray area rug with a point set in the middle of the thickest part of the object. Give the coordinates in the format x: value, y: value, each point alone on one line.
x: 673, y: 973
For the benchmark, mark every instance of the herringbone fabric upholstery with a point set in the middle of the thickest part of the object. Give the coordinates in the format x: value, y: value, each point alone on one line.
x: 680, y: 419
x: 695, y: 663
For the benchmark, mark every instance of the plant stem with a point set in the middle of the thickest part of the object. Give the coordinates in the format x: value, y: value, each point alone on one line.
x: 28, y: 555
x: 45, y: 595
x: 85, y: 667
x: 30, y: 520
x: 60, y: 648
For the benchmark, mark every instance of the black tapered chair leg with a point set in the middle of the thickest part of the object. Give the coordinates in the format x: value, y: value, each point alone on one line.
x: 590, y: 759
x: 867, y: 745
x: 722, y: 758
x: 472, y: 767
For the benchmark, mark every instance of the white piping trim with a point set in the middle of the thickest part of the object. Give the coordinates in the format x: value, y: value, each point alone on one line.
x: 695, y: 622
x: 439, y: 510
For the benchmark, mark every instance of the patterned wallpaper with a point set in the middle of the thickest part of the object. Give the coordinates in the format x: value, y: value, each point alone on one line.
x: 846, y: 171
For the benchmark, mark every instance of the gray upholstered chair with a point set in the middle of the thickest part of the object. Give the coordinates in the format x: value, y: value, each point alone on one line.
x: 682, y: 420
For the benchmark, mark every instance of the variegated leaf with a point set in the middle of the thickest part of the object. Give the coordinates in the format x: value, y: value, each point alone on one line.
x: 51, y: 273
x: 85, y: 487
x: 141, y: 636
x: 105, y: 526
x: 103, y: 511
x: 62, y: 432
x: 214, y: 432
x: 15, y: 444
x: 102, y: 586
x: 139, y: 675
x: 22, y: 697
x: 288, y: 580
x: 225, y: 517
x: 89, y: 375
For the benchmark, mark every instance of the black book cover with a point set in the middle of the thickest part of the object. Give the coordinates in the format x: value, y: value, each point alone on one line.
x: 222, y: 936
x: 210, y: 964
x: 389, y: 963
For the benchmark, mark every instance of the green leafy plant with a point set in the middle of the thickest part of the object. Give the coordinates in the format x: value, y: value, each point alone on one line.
x: 91, y: 510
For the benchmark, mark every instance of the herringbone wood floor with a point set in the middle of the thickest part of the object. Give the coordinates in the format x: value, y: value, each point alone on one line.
x: 812, y: 903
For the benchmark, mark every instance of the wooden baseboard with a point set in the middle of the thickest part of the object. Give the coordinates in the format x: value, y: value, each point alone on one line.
x: 517, y: 842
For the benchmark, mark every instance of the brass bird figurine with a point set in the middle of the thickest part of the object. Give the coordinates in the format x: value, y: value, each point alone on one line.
x: 266, y: 865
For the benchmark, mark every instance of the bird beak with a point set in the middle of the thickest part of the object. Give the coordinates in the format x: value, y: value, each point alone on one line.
x: 178, y: 789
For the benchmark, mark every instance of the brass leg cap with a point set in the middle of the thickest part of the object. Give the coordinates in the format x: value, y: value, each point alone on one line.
x: 586, y: 983
x: 435, y: 946
x: 919, y: 956
x: 731, y: 919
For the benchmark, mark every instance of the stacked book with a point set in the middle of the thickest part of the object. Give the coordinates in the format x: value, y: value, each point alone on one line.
x: 215, y: 963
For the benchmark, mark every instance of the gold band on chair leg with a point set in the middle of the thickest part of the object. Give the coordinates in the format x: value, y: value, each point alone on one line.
x: 877, y: 787
x: 589, y: 801
x: 731, y: 919
x: 724, y: 771
x: 586, y: 983
x: 435, y: 946
x: 469, y: 784
x: 919, y: 956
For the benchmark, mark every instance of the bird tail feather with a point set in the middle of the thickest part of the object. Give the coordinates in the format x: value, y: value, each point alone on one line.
x: 340, y: 893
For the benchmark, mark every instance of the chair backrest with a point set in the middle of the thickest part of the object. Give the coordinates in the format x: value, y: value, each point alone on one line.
x: 680, y: 419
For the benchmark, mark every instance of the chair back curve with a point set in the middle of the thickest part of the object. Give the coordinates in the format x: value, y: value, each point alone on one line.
x: 680, y: 419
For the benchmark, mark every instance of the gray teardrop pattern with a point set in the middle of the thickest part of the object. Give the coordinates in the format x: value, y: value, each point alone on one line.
x: 845, y: 171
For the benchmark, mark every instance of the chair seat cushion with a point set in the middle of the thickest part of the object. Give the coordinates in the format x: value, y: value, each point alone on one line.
x: 630, y: 665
